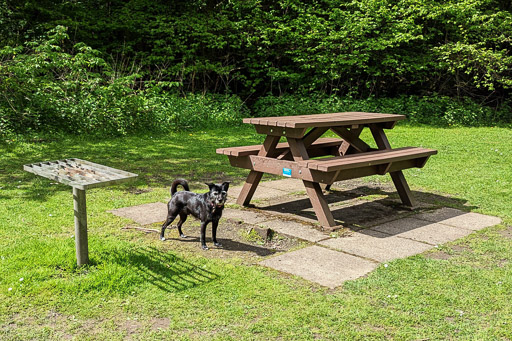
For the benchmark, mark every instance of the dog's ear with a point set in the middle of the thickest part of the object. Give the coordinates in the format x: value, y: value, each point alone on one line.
x: 225, y: 186
x: 210, y: 185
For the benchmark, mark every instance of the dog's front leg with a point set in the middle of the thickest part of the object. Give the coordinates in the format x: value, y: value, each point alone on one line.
x: 203, y: 236
x: 215, y: 223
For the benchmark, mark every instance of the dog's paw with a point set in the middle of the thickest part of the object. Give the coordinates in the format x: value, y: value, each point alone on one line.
x: 162, y: 238
x: 218, y: 245
x: 204, y: 247
x: 183, y: 236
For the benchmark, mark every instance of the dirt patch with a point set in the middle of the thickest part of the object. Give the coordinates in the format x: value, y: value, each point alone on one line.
x: 237, y: 239
x: 130, y: 326
x: 461, y: 248
x: 456, y: 250
x: 507, y: 233
x: 137, y: 191
x: 438, y: 255
x: 63, y: 327
x: 160, y: 323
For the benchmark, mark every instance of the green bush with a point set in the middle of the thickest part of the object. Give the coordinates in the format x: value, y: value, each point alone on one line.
x: 49, y: 86
x: 382, y: 48
x: 433, y: 110
x: 46, y: 88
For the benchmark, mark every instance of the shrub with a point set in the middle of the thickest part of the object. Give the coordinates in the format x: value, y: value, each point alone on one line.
x: 46, y: 88
x: 433, y: 110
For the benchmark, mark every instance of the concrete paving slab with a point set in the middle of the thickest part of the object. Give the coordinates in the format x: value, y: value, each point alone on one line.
x: 295, y: 229
x: 143, y: 214
x: 287, y: 185
x: 422, y: 230
x: 376, y: 245
x: 362, y: 213
x: 307, y: 217
x: 261, y: 193
x: 320, y: 265
x: 467, y: 220
x: 245, y: 216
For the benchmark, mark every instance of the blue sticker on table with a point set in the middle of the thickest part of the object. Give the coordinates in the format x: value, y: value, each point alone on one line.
x: 287, y: 172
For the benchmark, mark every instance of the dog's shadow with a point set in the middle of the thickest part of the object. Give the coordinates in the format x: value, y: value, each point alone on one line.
x: 227, y: 245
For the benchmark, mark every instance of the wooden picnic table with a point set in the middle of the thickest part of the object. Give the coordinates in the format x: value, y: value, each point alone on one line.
x: 316, y: 160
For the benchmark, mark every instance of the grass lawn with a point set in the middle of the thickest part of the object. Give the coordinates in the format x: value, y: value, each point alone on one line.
x: 138, y: 287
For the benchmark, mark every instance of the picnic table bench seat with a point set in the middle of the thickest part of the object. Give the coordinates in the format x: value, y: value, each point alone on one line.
x: 327, y: 170
x: 321, y: 145
x: 379, y: 157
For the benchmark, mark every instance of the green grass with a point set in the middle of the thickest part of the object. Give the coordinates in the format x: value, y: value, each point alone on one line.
x: 136, y: 283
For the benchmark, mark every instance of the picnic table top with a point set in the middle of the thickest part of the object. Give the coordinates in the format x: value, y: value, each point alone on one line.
x: 324, y: 120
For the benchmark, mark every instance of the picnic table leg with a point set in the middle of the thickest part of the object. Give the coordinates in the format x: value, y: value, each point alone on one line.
x: 254, y: 177
x: 322, y: 211
x: 345, y: 146
x: 81, y: 243
x: 252, y: 181
x: 402, y: 188
x: 398, y: 177
x: 313, y: 189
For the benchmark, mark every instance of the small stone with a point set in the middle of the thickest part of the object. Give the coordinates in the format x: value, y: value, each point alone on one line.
x: 264, y: 233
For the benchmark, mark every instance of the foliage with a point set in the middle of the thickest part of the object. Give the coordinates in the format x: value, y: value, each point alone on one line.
x: 433, y: 110
x: 47, y: 88
x: 382, y: 48
x: 51, y: 85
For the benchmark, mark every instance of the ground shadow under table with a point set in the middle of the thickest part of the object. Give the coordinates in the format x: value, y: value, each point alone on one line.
x: 362, y: 206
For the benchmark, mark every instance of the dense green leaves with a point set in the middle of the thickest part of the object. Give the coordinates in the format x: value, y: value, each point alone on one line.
x: 120, y: 63
x: 45, y: 88
x: 256, y: 47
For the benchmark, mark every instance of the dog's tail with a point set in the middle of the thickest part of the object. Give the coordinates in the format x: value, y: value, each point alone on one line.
x: 177, y: 182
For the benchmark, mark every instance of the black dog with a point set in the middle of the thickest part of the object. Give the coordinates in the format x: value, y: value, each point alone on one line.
x: 206, y: 207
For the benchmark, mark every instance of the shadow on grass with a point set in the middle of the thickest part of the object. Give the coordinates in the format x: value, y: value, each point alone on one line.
x: 164, y: 270
x: 157, y: 160
x: 227, y: 245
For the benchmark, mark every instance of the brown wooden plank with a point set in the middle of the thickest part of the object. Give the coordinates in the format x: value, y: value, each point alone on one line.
x: 247, y: 192
x: 325, y: 120
x: 384, y: 168
x: 322, y: 211
x: 309, y: 139
x: 402, y: 188
x: 253, y: 179
x: 298, y: 149
x: 398, y: 177
x: 301, y: 171
x: 268, y: 165
x: 313, y: 189
x: 352, y: 137
x: 380, y: 137
x: 369, y: 158
x: 361, y: 172
x: 281, y: 147
x: 280, y: 131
